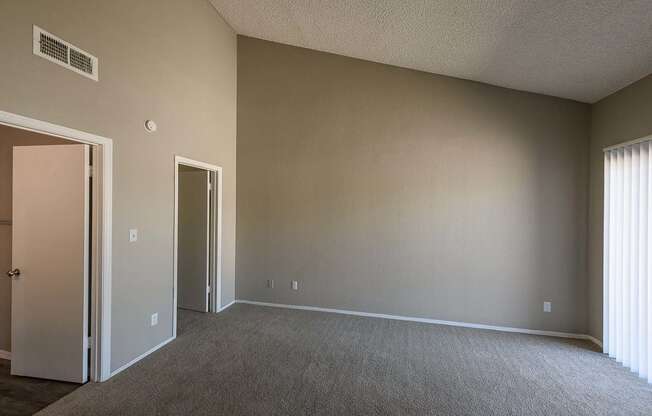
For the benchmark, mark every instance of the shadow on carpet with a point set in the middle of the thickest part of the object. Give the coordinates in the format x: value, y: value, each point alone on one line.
x: 23, y: 396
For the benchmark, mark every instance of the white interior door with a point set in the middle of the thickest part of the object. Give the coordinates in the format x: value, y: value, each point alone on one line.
x: 193, y: 238
x: 49, y: 308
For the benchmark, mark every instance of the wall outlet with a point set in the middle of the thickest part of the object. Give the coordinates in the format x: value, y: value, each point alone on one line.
x: 547, y: 306
x: 270, y: 283
x: 133, y: 235
x: 154, y: 319
x: 295, y: 285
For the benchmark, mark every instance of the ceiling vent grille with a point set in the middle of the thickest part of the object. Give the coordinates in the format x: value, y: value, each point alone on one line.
x: 57, y: 50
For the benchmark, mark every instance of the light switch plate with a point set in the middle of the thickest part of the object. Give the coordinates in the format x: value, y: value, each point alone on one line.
x: 547, y: 306
x: 154, y: 319
x: 133, y: 235
x: 295, y: 285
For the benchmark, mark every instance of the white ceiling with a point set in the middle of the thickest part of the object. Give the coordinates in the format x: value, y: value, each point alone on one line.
x: 583, y: 50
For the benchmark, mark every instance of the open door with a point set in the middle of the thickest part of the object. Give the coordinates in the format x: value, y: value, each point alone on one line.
x: 193, y: 242
x: 50, y: 240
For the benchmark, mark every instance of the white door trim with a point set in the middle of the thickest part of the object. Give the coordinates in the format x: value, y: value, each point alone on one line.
x: 101, y: 277
x: 216, y: 275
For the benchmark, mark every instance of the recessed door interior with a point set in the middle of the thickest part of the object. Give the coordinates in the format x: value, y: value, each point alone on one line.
x: 193, y: 243
x: 55, y: 240
x: 45, y: 192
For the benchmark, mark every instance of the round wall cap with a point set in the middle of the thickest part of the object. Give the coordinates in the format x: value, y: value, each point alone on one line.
x: 150, y: 126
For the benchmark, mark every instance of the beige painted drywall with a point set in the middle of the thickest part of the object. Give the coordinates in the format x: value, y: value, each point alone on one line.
x: 10, y: 137
x: 625, y: 115
x: 173, y: 61
x: 395, y: 191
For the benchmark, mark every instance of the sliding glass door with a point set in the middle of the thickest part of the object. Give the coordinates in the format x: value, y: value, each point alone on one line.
x: 628, y: 256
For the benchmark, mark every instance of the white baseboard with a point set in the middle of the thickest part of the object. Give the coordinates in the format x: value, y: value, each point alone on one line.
x: 141, y: 356
x: 593, y: 340
x: 227, y: 306
x: 162, y: 344
x: 427, y: 320
x: 5, y: 355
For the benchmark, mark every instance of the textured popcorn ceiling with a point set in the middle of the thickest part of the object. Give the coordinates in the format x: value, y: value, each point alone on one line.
x: 583, y: 50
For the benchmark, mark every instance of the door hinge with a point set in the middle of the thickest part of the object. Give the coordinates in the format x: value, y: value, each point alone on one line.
x: 208, y: 289
x: 89, y: 343
x: 90, y: 171
x: 210, y: 186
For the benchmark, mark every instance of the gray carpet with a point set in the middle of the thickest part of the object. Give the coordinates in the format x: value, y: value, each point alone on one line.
x: 252, y: 360
x: 23, y: 396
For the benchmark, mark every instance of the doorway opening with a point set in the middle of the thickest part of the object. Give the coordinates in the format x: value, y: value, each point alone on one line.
x: 197, y: 237
x: 49, y: 219
x: 77, y: 265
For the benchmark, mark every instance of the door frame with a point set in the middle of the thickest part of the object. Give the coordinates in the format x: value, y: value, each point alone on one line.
x: 102, y: 148
x: 215, y: 234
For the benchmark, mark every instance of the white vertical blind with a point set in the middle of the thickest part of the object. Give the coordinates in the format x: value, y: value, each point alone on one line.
x: 628, y: 256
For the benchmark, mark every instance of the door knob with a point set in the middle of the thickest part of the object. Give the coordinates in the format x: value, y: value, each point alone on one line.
x: 13, y: 274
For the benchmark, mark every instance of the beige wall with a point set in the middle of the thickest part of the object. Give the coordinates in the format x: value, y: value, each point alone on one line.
x: 395, y: 191
x: 625, y: 115
x: 173, y: 61
x: 10, y: 137
x: 380, y: 189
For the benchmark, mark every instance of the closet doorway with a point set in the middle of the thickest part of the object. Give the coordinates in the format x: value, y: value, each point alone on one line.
x: 50, y: 264
x: 197, y: 236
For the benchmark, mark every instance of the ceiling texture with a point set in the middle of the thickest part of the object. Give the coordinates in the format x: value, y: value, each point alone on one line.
x: 578, y: 49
